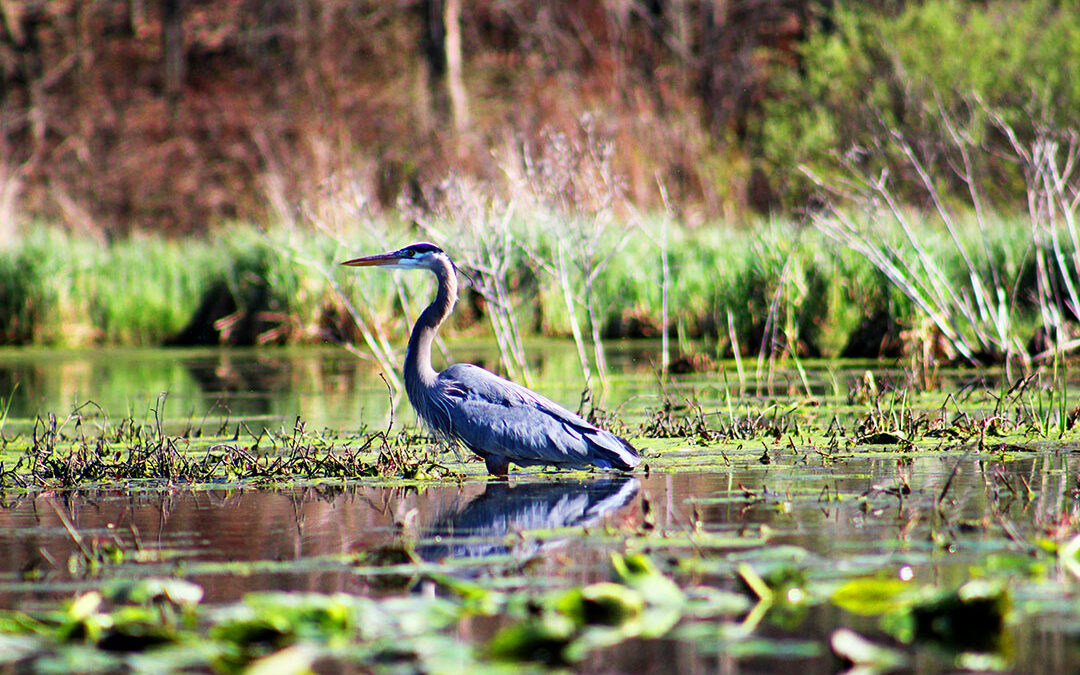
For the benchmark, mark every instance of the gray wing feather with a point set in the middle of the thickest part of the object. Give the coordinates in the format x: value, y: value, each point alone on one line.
x: 494, y: 416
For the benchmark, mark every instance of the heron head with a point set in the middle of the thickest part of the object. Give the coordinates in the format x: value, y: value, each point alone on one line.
x: 411, y: 257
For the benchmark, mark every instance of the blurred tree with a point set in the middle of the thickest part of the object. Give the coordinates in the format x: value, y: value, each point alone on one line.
x: 174, y: 67
x: 129, y: 114
x: 441, y: 47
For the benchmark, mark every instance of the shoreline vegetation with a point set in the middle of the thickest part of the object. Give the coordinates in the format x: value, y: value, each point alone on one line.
x: 778, y: 291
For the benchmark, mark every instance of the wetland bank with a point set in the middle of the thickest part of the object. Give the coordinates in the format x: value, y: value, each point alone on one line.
x: 840, y: 514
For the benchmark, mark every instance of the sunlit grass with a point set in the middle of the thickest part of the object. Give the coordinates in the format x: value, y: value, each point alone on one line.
x: 69, y: 291
x: 66, y: 290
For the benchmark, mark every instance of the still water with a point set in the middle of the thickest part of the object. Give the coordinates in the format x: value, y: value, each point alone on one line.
x: 823, y: 517
x: 232, y: 540
x: 327, y: 387
x: 330, y: 388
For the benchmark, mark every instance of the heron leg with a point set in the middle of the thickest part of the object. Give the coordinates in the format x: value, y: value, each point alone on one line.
x: 497, y: 465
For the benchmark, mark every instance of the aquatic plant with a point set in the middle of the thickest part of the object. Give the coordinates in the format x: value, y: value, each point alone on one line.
x: 161, y: 621
x: 164, y: 623
x: 64, y: 453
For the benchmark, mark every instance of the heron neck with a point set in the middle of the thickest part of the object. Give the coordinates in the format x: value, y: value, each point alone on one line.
x: 418, y: 367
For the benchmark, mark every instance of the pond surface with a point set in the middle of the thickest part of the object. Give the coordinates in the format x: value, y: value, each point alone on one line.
x: 330, y: 388
x: 552, y: 530
x: 327, y: 387
x: 934, y: 514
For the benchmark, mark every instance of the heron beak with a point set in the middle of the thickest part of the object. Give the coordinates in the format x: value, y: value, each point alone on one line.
x: 374, y: 260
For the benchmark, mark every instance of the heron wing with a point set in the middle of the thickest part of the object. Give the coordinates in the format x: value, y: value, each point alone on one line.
x: 494, y: 416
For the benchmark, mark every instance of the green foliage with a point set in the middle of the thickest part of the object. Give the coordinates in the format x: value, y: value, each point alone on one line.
x: 142, y: 291
x: 65, y: 290
x: 564, y: 626
x: 872, y: 595
x: 878, y: 70
x: 970, y: 618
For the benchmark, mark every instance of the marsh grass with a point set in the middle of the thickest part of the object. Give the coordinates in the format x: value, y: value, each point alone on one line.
x: 86, y: 447
x: 763, y: 296
x: 894, y: 414
x: 66, y: 291
x: 977, y: 280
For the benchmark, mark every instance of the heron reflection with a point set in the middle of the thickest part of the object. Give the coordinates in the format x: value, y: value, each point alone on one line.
x: 479, y: 528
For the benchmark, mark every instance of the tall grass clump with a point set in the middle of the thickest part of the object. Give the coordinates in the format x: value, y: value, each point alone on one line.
x: 65, y: 290
x: 779, y: 283
x: 957, y: 260
x: 146, y: 289
x: 777, y: 290
x: 20, y: 310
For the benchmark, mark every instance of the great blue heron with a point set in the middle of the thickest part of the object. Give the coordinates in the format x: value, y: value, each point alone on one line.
x: 499, y: 420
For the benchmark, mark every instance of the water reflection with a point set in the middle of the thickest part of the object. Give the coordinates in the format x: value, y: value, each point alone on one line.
x: 329, y: 387
x: 481, y: 526
x: 326, y: 386
x: 298, y: 538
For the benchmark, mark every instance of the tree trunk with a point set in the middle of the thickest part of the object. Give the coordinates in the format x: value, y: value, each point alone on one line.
x: 441, y: 45
x: 433, y: 45
x: 454, y: 82
x: 172, y: 48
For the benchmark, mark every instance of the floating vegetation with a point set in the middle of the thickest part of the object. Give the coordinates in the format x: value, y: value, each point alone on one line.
x: 895, y: 417
x: 162, y: 623
x: 67, y: 454
x: 84, y: 448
